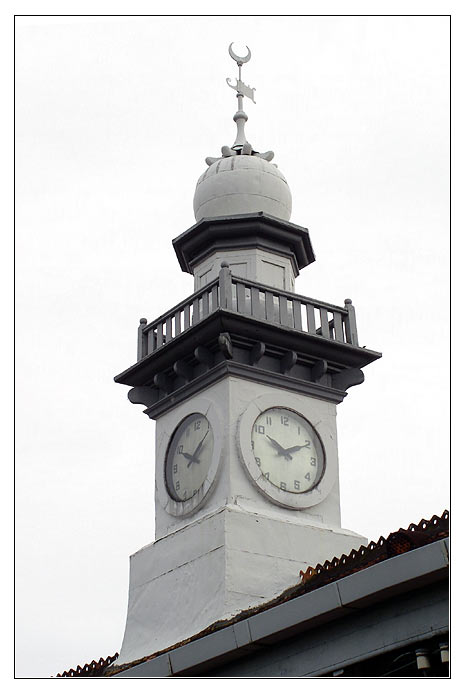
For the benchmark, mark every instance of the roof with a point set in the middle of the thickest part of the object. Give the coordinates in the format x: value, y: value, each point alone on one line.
x: 397, y: 543
x: 93, y: 669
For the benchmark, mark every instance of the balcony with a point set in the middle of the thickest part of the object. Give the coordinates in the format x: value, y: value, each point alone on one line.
x: 275, y: 307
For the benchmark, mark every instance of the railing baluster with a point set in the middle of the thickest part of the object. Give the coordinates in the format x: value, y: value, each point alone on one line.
x: 159, y: 335
x: 214, y: 298
x: 331, y: 328
x: 297, y: 314
x: 257, y: 311
x: 150, y: 341
x: 338, y: 332
x: 240, y: 293
x: 187, y: 316
x: 169, y: 324
x: 195, y: 311
x: 269, y: 306
x: 177, y: 323
x: 205, y: 307
x: 310, y: 318
x: 283, y: 310
x: 324, y: 322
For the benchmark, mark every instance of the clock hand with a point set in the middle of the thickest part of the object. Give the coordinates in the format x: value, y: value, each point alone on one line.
x: 190, y: 458
x: 281, y: 451
x: 193, y: 458
x: 293, y: 449
x: 197, y: 450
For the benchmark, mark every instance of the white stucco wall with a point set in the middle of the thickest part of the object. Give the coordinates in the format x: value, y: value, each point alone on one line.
x: 239, y: 548
x: 216, y: 567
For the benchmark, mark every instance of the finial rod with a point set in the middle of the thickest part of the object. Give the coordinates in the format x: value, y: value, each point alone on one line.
x: 240, y: 117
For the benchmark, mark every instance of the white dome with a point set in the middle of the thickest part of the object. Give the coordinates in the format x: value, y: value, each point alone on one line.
x: 241, y: 184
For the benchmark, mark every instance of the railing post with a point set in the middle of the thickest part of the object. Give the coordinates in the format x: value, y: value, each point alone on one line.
x: 141, y: 339
x: 351, y: 324
x: 225, y: 286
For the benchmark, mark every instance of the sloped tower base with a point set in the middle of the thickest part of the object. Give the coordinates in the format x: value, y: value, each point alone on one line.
x: 228, y: 567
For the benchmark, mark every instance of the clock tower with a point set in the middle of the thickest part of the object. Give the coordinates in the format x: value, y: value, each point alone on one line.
x: 243, y: 379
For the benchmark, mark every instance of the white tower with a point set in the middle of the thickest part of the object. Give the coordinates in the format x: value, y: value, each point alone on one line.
x: 243, y: 379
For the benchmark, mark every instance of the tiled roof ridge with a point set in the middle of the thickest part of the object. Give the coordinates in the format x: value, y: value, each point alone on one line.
x: 398, y: 542
x: 93, y: 669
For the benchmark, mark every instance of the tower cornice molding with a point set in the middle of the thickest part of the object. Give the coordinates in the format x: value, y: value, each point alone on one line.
x: 232, y: 232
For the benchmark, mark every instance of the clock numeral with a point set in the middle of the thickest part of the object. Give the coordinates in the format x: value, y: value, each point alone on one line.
x: 177, y: 486
x: 296, y: 484
x: 285, y: 420
x: 266, y: 475
x: 268, y: 420
x: 258, y: 461
x: 298, y: 431
x: 307, y: 476
x: 185, y: 494
x: 282, y: 485
x: 260, y: 428
x: 197, y: 424
x: 179, y: 449
x: 253, y: 445
x: 313, y: 461
x: 308, y: 443
x: 175, y: 469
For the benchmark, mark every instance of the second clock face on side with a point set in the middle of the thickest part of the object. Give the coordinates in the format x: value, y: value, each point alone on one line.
x: 287, y: 450
x: 189, y: 457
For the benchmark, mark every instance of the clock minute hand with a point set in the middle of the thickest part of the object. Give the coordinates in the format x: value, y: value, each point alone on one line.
x: 279, y: 448
x: 294, y: 449
x: 197, y: 450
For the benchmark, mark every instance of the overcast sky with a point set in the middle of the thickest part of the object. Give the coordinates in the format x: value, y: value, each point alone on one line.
x: 114, y: 118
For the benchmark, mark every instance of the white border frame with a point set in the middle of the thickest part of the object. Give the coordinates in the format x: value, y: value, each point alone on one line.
x: 270, y: 491
x: 190, y: 506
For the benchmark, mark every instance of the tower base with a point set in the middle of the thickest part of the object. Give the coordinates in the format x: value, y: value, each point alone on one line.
x: 215, y: 568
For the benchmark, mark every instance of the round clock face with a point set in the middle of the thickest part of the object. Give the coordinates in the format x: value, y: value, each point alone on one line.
x: 287, y: 450
x: 189, y: 456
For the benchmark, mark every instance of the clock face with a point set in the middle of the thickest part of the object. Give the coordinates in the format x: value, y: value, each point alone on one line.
x: 287, y: 450
x: 189, y: 457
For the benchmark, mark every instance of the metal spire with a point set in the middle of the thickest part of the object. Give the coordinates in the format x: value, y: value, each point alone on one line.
x: 240, y: 117
x: 241, y: 144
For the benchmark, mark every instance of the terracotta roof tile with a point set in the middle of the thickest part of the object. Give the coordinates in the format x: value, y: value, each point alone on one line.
x: 396, y: 543
x: 93, y: 669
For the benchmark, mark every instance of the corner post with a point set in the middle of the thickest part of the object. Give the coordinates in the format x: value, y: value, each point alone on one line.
x: 225, y: 286
x: 351, y: 323
x: 141, y: 339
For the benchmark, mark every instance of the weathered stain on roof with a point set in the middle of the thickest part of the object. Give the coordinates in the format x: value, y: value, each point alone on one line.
x: 398, y: 542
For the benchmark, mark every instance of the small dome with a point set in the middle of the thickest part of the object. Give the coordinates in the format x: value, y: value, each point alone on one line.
x: 242, y: 184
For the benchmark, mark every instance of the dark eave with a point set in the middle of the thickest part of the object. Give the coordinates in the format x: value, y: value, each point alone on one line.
x: 257, y: 230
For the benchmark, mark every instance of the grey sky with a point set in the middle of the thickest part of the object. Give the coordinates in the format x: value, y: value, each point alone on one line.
x: 114, y: 118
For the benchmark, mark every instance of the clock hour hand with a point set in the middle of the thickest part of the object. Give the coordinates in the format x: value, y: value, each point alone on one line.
x: 190, y: 458
x: 279, y: 448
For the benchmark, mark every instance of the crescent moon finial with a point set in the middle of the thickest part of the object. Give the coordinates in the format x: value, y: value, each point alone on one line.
x: 239, y: 60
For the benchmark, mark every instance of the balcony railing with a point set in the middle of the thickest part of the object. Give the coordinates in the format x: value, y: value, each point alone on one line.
x: 249, y: 299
